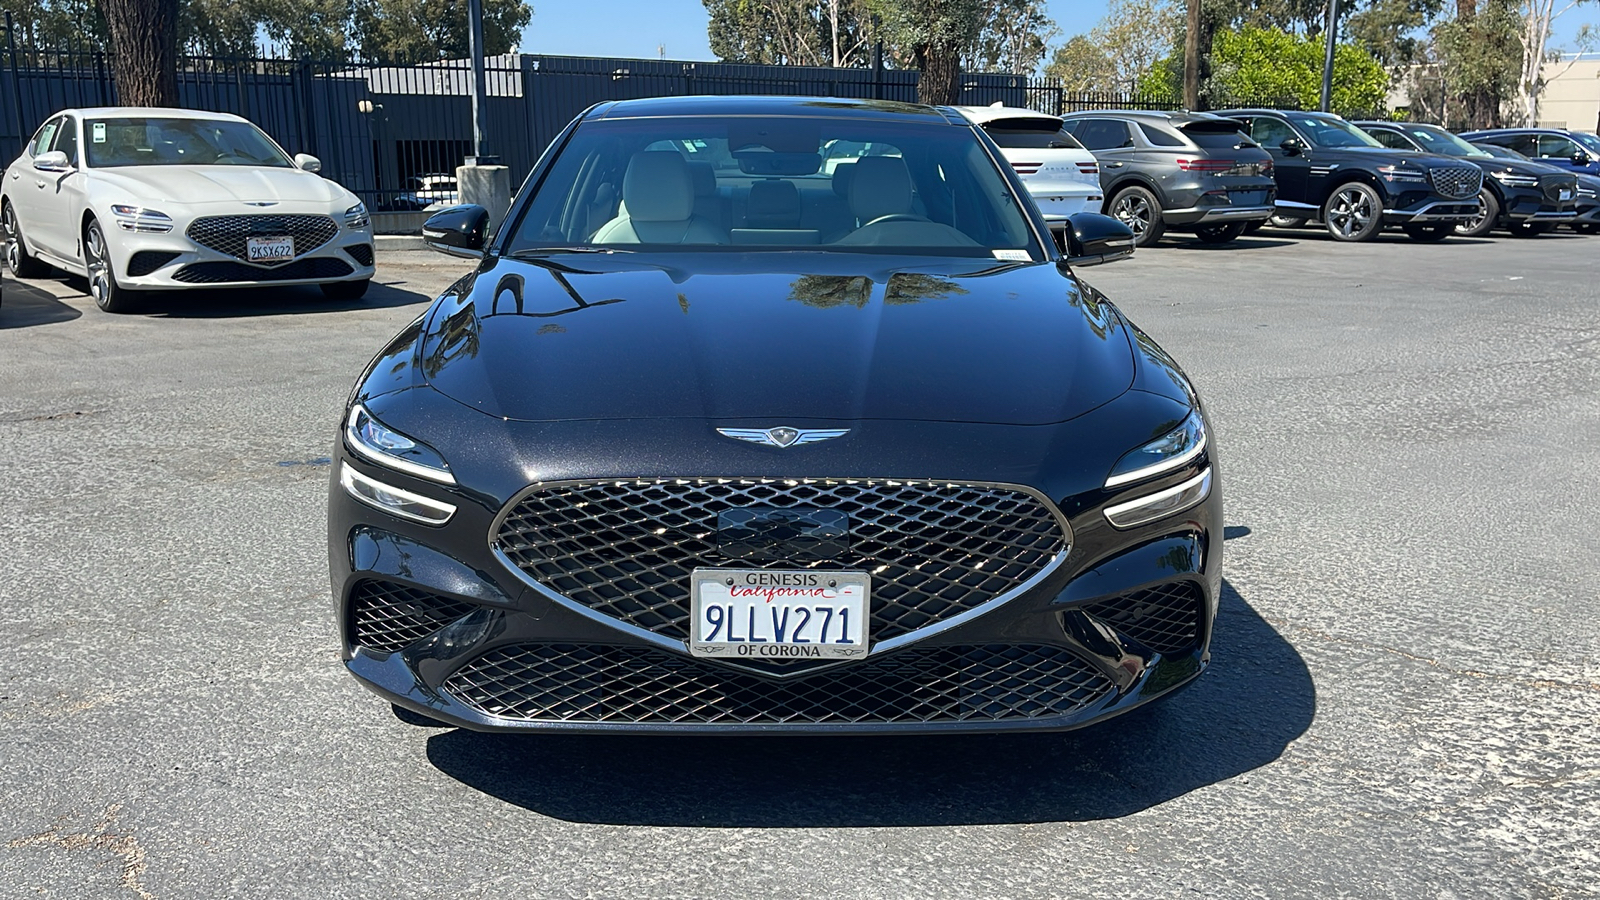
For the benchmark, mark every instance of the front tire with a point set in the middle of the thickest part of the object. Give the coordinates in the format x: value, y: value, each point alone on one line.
x: 1429, y: 234
x: 1353, y: 212
x: 103, y: 287
x: 1140, y: 210
x: 21, y: 262
x: 345, y: 290
x: 1484, y: 222
x: 1278, y: 220
x: 1219, y: 234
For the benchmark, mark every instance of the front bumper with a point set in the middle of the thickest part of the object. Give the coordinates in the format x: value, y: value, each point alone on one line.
x: 175, y: 262
x: 459, y: 635
x: 1218, y: 214
x: 1434, y: 211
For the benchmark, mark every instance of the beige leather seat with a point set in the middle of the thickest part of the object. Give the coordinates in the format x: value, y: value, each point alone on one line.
x: 881, y: 186
x: 658, y: 205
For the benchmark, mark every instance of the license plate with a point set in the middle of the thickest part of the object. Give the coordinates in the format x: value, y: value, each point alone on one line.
x: 1247, y: 198
x: 269, y: 249
x: 778, y: 614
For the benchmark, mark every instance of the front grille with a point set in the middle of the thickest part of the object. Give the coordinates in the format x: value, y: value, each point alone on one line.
x: 227, y: 234
x: 225, y: 272
x: 146, y: 261
x: 386, y: 617
x: 361, y: 253
x: 1456, y: 182
x: 625, y: 548
x: 1553, y: 185
x: 596, y: 683
x: 1164, y: 618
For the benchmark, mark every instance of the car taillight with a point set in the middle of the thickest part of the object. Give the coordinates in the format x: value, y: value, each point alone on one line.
x: 1208, y: 166
x: 1089, y: 168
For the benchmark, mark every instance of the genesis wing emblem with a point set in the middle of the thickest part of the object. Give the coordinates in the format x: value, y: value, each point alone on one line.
x: 783, y: 435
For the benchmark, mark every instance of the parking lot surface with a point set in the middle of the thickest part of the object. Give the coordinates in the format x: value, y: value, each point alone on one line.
x: 1404, y: 699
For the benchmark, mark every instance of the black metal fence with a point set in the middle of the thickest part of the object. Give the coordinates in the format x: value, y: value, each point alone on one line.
x: 382, y: 129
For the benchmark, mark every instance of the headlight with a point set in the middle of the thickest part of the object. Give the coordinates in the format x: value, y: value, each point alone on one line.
x: 1403, y: 173
x: 389, y: 448
x: 397, y: 501
x: 356, y: 216
x: 1512, y: 179
x: 137, y: 218
x: 1161, y: 504
x: 1167, y: 453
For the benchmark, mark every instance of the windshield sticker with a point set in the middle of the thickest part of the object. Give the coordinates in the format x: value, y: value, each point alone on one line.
x: 1020, y: 255
x: 99, y: 132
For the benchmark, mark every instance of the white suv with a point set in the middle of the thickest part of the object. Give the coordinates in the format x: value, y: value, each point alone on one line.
x: 1059, y: 173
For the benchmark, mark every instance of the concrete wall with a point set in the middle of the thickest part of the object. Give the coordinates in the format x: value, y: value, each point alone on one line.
x: 1572, y: 93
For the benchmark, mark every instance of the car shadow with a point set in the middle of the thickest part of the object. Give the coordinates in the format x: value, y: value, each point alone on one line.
x: 1386, y: 236
x: 1255, y: 700
x: 1239, y: 243
x: 273, y: 301
x: 25, y: 306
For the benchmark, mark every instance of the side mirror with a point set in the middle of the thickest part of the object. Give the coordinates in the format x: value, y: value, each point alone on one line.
x: 1580, y: 158
x: 1292, y: 147
x: 308, y: 162
x: 458, y: 231
x: 53, y: 161
x: 1089, y: 239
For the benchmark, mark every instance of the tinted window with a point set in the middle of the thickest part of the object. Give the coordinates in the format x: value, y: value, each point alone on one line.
x: 1331, y: 132
x: 1031, y: 136
x: 1526, y: 144
x: 1270, y: 132
x: 1159, y: 137
x: 1554, y: 145
x: 1218, y: 140
x: 1103, y: 134
x: 1390, y: 139
x: 67, y: 140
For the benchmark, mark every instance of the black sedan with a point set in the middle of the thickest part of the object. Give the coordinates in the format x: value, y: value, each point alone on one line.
x: 774, y: 415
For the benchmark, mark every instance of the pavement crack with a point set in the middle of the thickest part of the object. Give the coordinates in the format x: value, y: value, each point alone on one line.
x: 123, y: 847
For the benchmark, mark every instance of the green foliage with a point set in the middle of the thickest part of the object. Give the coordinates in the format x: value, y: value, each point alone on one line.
x: 790, y: 32
x: 1390, y: 29
x: 1121, y: 48
x: 1482, y: 55
x: 432, y: 29
x: 1268, y: 63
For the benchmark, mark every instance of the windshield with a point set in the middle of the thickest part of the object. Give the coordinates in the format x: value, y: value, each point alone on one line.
x: 1329, y: 132
x: 1442, y: 142
x: 775, y: 183
x: 179, y: 142
x: 1499, y: 151
x: 1589, y: 141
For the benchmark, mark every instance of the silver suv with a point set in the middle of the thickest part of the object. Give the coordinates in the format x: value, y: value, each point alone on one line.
x: 1187, y: 171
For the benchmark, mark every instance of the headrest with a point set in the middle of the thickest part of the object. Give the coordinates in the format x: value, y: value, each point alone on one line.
x: 842, y: 173
x: 704, y: 179
x: 881, y: 186
x: 658, y: 188
x: 773, y: 204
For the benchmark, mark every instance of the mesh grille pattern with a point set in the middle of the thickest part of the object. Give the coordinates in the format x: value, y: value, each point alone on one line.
x: 386, y: 617
x: 361, y: 253
x: 225, y: 272
x: 1456, y: 182
x: 227, y: 234
x: 1553, y: 185
x: 146, y: 261
x: 1164, y: 618
x: 626, y: 548
x: 591, y: 683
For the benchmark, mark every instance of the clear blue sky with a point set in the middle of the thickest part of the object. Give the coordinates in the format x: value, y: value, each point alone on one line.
x: 635, y: 28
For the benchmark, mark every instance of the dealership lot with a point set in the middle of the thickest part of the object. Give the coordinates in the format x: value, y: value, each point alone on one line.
x: 1404, y: 697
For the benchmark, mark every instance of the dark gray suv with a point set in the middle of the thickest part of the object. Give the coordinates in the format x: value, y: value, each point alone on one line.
x: 1187, y: 171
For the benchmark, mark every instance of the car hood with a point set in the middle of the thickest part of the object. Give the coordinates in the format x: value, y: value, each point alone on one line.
x: 221, y: 184
x: 1382, y: 155
x: 1520, y: 167
x: 775, y: 338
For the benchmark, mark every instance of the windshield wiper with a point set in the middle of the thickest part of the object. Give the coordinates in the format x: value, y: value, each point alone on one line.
x: 545, y: 251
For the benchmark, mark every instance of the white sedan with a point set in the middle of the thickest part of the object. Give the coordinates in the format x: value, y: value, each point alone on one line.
x: 1061, y: 176
x: 139, y: 199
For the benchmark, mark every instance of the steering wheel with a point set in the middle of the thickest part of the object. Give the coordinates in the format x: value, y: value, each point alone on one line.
x: 896, y: 217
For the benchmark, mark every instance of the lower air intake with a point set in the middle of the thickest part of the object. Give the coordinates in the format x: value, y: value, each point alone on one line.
x: 386, y: 617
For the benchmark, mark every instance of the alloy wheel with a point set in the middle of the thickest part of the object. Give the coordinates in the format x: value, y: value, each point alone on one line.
x: 94, y: 253
x: 1351, y: 211
x: 8, y: 229
x: 1133, y: 211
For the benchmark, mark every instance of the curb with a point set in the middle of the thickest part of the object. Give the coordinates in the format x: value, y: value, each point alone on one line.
x: 392, y: 242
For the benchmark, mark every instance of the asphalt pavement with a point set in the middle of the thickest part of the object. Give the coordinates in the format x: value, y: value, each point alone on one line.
x: 1404, y: 699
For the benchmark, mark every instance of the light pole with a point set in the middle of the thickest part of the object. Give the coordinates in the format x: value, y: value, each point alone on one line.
x: 480, y: 139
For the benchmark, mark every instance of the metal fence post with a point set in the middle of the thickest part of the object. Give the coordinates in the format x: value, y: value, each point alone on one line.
x: 16, y: 80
